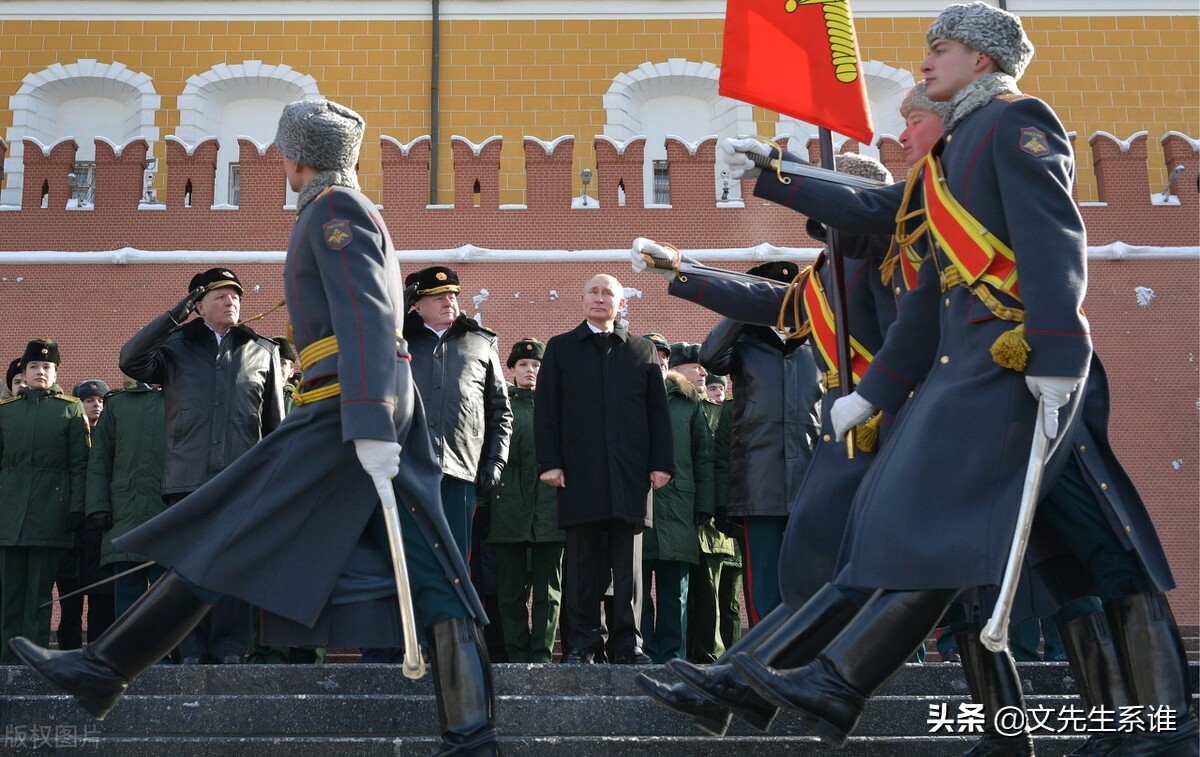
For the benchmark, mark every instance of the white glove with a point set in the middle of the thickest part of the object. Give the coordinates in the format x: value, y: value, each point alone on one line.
x: 848, y: 412
x: 646, y: 254
x: 1057, y: 391
x: 380, y: 459
x: 732, y: 152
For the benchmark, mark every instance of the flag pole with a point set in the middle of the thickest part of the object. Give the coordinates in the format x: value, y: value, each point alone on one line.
x: 837, y: 292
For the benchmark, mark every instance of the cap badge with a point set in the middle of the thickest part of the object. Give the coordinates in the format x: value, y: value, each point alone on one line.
x: 440, y: 276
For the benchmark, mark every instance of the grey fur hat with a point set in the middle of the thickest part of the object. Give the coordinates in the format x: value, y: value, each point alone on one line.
x: 321, y: 134
x: 863, y: 166
x: 987, y: 29
x: 917, y: 99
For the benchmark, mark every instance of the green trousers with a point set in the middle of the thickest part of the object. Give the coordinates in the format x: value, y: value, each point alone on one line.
x: 26, y: 578
x: 524, y: 569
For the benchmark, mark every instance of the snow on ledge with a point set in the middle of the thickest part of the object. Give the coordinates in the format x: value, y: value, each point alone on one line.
x: 473, y: 253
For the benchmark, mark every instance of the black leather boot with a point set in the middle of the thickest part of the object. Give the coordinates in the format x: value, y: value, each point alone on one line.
x: 993, y: 682
x: 710, y: 717
x: 462, y: 679
x: 832, y: 690
x: 1155, y: 666
x: 794, y: 643
x: 1097, y: 670
x: 98, y: 675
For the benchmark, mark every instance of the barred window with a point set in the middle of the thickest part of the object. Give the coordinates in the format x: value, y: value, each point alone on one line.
x: 83, y: 185
x: 662, y: 183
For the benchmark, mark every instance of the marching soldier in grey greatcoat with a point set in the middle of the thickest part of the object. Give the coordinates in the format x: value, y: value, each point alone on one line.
x: 812, y: 611
x: 992, y: 201
x: 304, y: 545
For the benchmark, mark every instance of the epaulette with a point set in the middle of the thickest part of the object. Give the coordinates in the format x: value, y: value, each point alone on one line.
x: 113, y: 393
x: 7, y: 400
x: 66, y: 397
x: 1012, y: 97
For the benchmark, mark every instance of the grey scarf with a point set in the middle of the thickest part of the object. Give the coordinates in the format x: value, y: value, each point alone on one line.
x: 323, y: 181
x: 978, y: 94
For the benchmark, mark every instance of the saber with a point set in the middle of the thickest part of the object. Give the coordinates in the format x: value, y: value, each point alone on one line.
x: 687, y: 265
x: 995, y: 634
x: 809, y: 171
x: 414, y: 664
x: 101, y: 582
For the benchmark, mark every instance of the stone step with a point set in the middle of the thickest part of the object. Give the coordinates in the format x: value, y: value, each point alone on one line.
x: 510, y: 679
x: 95, y: 745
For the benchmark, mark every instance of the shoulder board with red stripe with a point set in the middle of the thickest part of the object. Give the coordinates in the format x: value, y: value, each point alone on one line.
x: 1013, y: 97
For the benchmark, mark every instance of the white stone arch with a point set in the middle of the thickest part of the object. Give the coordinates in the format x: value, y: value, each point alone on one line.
x: 641, y: 102
x: 126, y: 99
x: 886, y: 88
x: 238, y: 100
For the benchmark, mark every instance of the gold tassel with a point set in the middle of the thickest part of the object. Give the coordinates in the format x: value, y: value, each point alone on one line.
x: 887, y: 269
x: 1010, y: 350
x: 867, y: 435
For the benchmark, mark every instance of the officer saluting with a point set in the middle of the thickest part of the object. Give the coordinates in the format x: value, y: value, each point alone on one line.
x: 304, y: 497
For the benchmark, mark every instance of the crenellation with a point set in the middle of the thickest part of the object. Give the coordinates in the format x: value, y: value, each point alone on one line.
x: 1121, y: 168
x: 1179, y: 150
x: 619, y: 166
x: 119, y: 174
x: 548, y: 173
x: 47, y: 168
x: 476, y: 173
x: 191, y: 168
x: 405, y: 172
x: 693, y: 181
x: 261, y: 182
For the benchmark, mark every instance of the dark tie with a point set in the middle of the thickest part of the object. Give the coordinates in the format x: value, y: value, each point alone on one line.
x: 603, y: 342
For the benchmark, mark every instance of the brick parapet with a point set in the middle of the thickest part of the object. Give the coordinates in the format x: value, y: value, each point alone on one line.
x: 261, y: 222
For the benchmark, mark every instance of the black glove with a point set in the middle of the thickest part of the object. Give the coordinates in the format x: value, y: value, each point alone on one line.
x: 184, y: 307
x: 489, y: 474
x: 74, y: 523
x: 483, y: 523
x: 101, y: 521
x: 730, y: 528
x: 700, y: 518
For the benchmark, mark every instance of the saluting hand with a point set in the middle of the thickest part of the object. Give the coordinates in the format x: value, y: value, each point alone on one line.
x: 184, y: 307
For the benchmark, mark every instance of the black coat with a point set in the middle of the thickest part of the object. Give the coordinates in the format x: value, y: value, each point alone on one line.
x: 605, y: 422
x: 220, y: 400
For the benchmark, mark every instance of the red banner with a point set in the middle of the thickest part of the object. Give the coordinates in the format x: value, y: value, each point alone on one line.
x: 799, y: 58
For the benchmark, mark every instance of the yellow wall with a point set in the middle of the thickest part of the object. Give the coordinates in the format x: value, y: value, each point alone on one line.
x: 546, y: 78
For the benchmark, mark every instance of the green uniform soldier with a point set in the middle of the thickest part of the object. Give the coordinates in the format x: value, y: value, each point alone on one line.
x: 124, y: 481
x: 525, y: 535
x: 714, y: 614
x: 670, y: 550
x: 43, y: 465
x: 287, y: 367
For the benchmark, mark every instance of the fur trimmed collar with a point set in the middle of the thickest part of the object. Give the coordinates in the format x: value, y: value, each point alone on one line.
x: 978, y: 94
x: 323, y: 181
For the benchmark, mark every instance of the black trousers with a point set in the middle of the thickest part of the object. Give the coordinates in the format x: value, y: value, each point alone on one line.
x: 588, y: 566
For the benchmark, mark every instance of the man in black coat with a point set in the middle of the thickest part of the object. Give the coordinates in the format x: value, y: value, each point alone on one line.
x: 603, y: 437
x: 223, y: 392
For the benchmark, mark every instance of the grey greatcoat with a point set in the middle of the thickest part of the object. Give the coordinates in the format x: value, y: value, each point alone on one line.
x: 808, y: 558
x: 462, y: 385
x: 775, y: 414
x: 939, y: 508
x: 278, y: 526
x: 608, y: 431
x: 220, y: 400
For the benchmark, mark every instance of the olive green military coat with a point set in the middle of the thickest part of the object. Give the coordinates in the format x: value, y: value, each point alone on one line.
x: 43, y: 467
x: 524, y: 508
